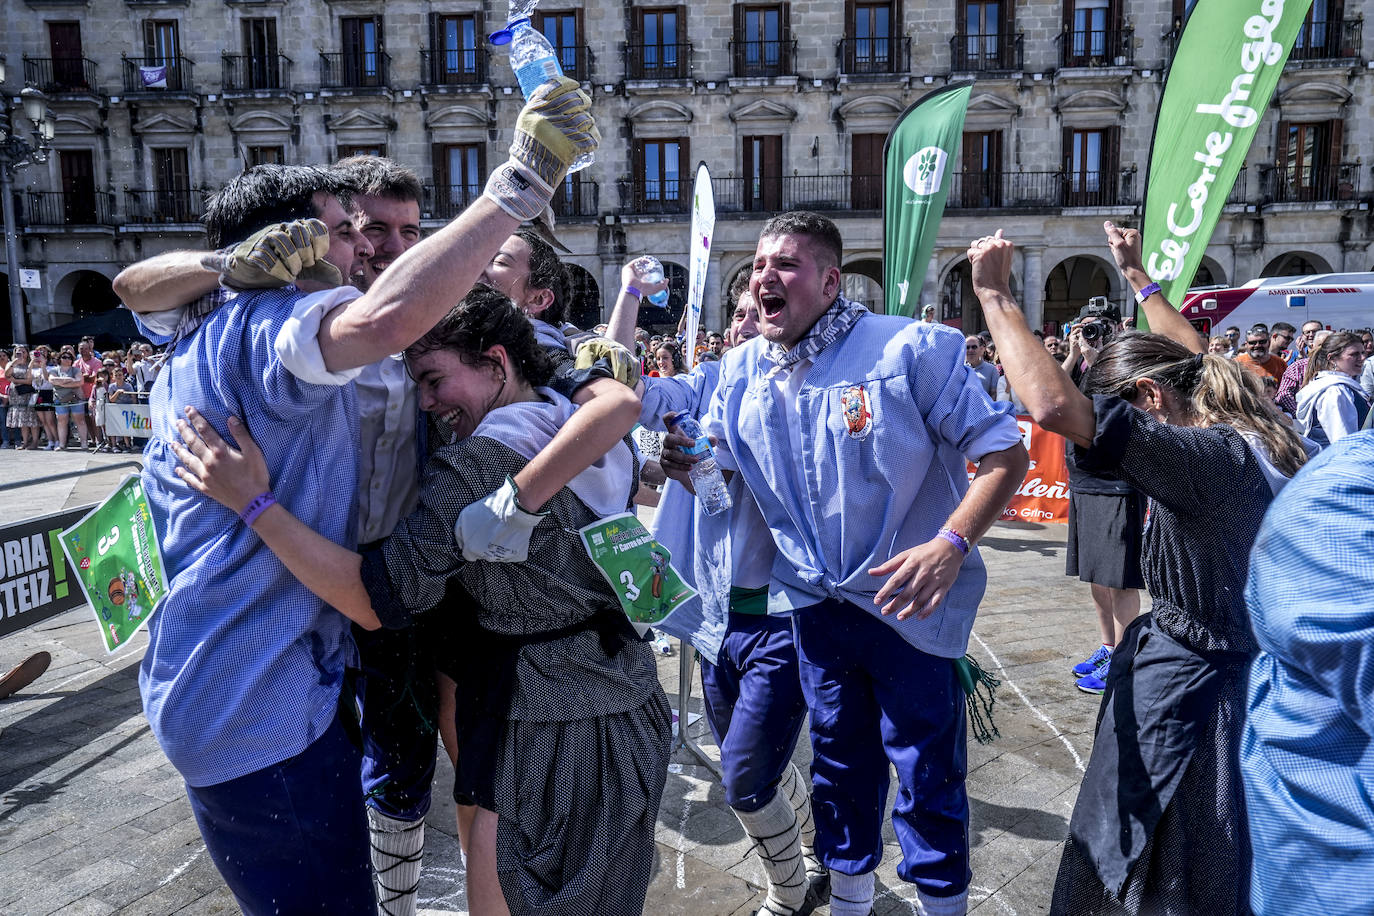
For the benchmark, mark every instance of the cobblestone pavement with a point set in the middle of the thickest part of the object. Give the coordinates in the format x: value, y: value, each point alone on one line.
x: 94, y: 820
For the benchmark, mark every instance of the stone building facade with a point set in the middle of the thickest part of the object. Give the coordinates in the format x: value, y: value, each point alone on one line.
x: 788, y: 103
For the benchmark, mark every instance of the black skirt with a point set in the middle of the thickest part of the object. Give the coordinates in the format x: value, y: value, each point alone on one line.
x: 1104, y: 539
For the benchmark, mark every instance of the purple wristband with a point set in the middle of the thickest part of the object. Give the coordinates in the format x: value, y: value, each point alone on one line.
x: 257, y: 507
x: 955, y: 538
x: 633, y: 291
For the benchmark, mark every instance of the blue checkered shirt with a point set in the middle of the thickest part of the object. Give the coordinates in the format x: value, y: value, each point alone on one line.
x: 1308, y: 750
x: 244, y: 665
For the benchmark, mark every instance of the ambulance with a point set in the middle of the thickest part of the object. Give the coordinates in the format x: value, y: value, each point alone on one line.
x: 1336, y: 300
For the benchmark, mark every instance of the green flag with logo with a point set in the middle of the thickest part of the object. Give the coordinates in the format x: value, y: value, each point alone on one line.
x: 917, y: 171
x: 1229, y: 59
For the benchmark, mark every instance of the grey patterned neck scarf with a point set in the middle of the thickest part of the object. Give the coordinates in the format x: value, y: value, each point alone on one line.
x: 838, y: 319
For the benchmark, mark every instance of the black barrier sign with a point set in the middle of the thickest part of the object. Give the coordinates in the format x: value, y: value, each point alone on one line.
x: 35, y: 583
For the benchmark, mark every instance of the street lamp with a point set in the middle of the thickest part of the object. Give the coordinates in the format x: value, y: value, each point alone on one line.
x: 16, y: 152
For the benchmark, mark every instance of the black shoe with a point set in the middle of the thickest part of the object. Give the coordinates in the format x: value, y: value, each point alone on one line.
x: 818, y: 892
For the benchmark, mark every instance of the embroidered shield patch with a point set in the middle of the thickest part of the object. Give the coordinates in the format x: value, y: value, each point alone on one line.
x: 858, y: 413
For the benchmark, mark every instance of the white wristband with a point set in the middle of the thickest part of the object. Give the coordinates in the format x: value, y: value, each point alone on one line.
x: 518, y: 190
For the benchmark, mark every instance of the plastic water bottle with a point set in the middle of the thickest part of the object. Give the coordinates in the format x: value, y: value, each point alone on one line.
x: 651, y: 270
x: 705, y: 474
x: 533, y: 59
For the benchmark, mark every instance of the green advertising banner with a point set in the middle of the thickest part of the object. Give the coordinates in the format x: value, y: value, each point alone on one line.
x: 916, y: 180
x: 639, y: 568
x: 1229, y: 59
x: 115, y: 554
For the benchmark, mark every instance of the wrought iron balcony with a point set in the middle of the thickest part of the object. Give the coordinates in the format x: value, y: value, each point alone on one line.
x: 998, y: 190
x: 643, y: 197
x: 69, y: 208
x: 1325, y: 183
x: 576, y: 199
x: 60, y: 74
x: 1096, y: 47
x: 577, y: 62
x: 158, y: 74
x: 447, y: 201
x: 1240, y: 191
x: 658, y: 62
x: 969, y: 53
x: 1327, y: 41
x: 454, y: 67
x: 243, y: 72
x: 148, y: 207
x: 363, y: 70
x: 763, y: 58
x: 874, y: 56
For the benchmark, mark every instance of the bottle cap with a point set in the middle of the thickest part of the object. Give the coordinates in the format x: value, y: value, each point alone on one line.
x: 503, y: 36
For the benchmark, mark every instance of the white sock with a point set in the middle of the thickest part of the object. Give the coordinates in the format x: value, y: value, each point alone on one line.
x: 397, y: 847
x: 927, y: 905
x: 773, y: 828
x: 797, y: 788
x: 851, y: 895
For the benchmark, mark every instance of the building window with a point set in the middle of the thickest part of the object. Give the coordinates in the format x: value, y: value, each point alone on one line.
x: 78, y: 186
x: 363, y: 62
x: 866, y: 171
x: 870, y: 47
x: 664, y: 52
x: 361, y: 149
x: 984, y: 42
x: 1308, y: 155
x: 659, y: 182
x: 563, y: 29
x: 68, y: 67
x: 266, y: 155
x: 456, y: 58
x: 762, y: 45
x: 763, y: 173
x: 980, y: 178
x: 172, y: 184
x: 260, y: 68
x: 459, y: 174
x: 1090, y: 166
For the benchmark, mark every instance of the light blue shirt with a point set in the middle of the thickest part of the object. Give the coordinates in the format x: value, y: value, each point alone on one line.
x: 849, y: 497
x: 1307, y: 756
x: 244, y: 664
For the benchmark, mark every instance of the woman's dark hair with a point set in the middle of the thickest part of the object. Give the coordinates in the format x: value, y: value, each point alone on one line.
x: 676, y: 351
x: 1213, y: 388
x: 483, y: 319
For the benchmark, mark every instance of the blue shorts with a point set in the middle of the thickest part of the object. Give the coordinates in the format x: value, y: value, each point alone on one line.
x: 62, y: 410
x: 292, y: 838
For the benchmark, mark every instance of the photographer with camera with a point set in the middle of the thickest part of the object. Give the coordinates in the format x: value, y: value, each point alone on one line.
x: 1105, y: 514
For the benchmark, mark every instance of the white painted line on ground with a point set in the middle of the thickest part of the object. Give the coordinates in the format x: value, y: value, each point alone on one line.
x: 892, y: 893
x: 177, y: 872
x: 984, y: 893
x: 1006, y: 679
x: 99, y: 666
x: 682, y: 839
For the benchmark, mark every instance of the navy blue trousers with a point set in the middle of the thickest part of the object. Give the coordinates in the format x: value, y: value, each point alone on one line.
x: 875, y: 700
x: 292, y: 838
x: 754, y: 705
x: 399, y: 704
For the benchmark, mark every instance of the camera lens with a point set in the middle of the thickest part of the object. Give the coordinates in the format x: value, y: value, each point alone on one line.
x: 1092, y: 331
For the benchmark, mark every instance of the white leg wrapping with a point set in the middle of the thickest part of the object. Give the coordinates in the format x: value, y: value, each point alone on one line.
x: 773, y: 828
x: 851, y: 895
x: 797, y: 788
x: 397, y: 847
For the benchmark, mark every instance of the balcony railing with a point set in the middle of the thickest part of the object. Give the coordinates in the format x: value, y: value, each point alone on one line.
x: 60, y: 74
x: 69, y: 208
x: 1240, y: 191
x: 970, y: 53
x: 763, y: 58
x: 148, y: 207
x: 576, y: 199
x: 366, y: 70
x: 158, y: 74
x: 256, y: 71
x: 455, y: 67
x: 874, y: 56
x: 1096, y: 48
x: 997, y: 190
x: 1326, y: 183
x: 1322, y: 41
x: 655, y: 197
x: 577, y: 62
x: 447, y: 201
x: 658, y: 62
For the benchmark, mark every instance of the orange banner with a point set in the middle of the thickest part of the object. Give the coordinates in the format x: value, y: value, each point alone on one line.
x: 1044, y: 495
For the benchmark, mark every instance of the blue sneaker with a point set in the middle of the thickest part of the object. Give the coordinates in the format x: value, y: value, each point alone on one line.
x: 1089, y: 665
x: 1097, y: 681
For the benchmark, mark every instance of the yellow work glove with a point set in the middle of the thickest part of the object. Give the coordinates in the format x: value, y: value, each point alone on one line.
x: 277, y: 255
x: 620, y: 361
x: 553, y: 130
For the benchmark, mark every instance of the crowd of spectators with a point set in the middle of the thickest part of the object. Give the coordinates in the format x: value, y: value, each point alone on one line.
x: 55, y: 399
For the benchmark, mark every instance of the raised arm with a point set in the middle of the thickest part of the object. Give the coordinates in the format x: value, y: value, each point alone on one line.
x: 416, y: 291
x: 1043, y: 386
x: 1126, y: 246
x: 165, y: 281
x: 620, y: 327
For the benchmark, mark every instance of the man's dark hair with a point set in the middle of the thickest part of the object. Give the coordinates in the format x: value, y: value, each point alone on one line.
x: 1283, y: 326
x: 1233, y: 328
x: 267, y: 194
x: 380, y: 177
x: 737, y: 289
x: 481, y: 320
x: 821, y: 231
x: 546, y: 272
